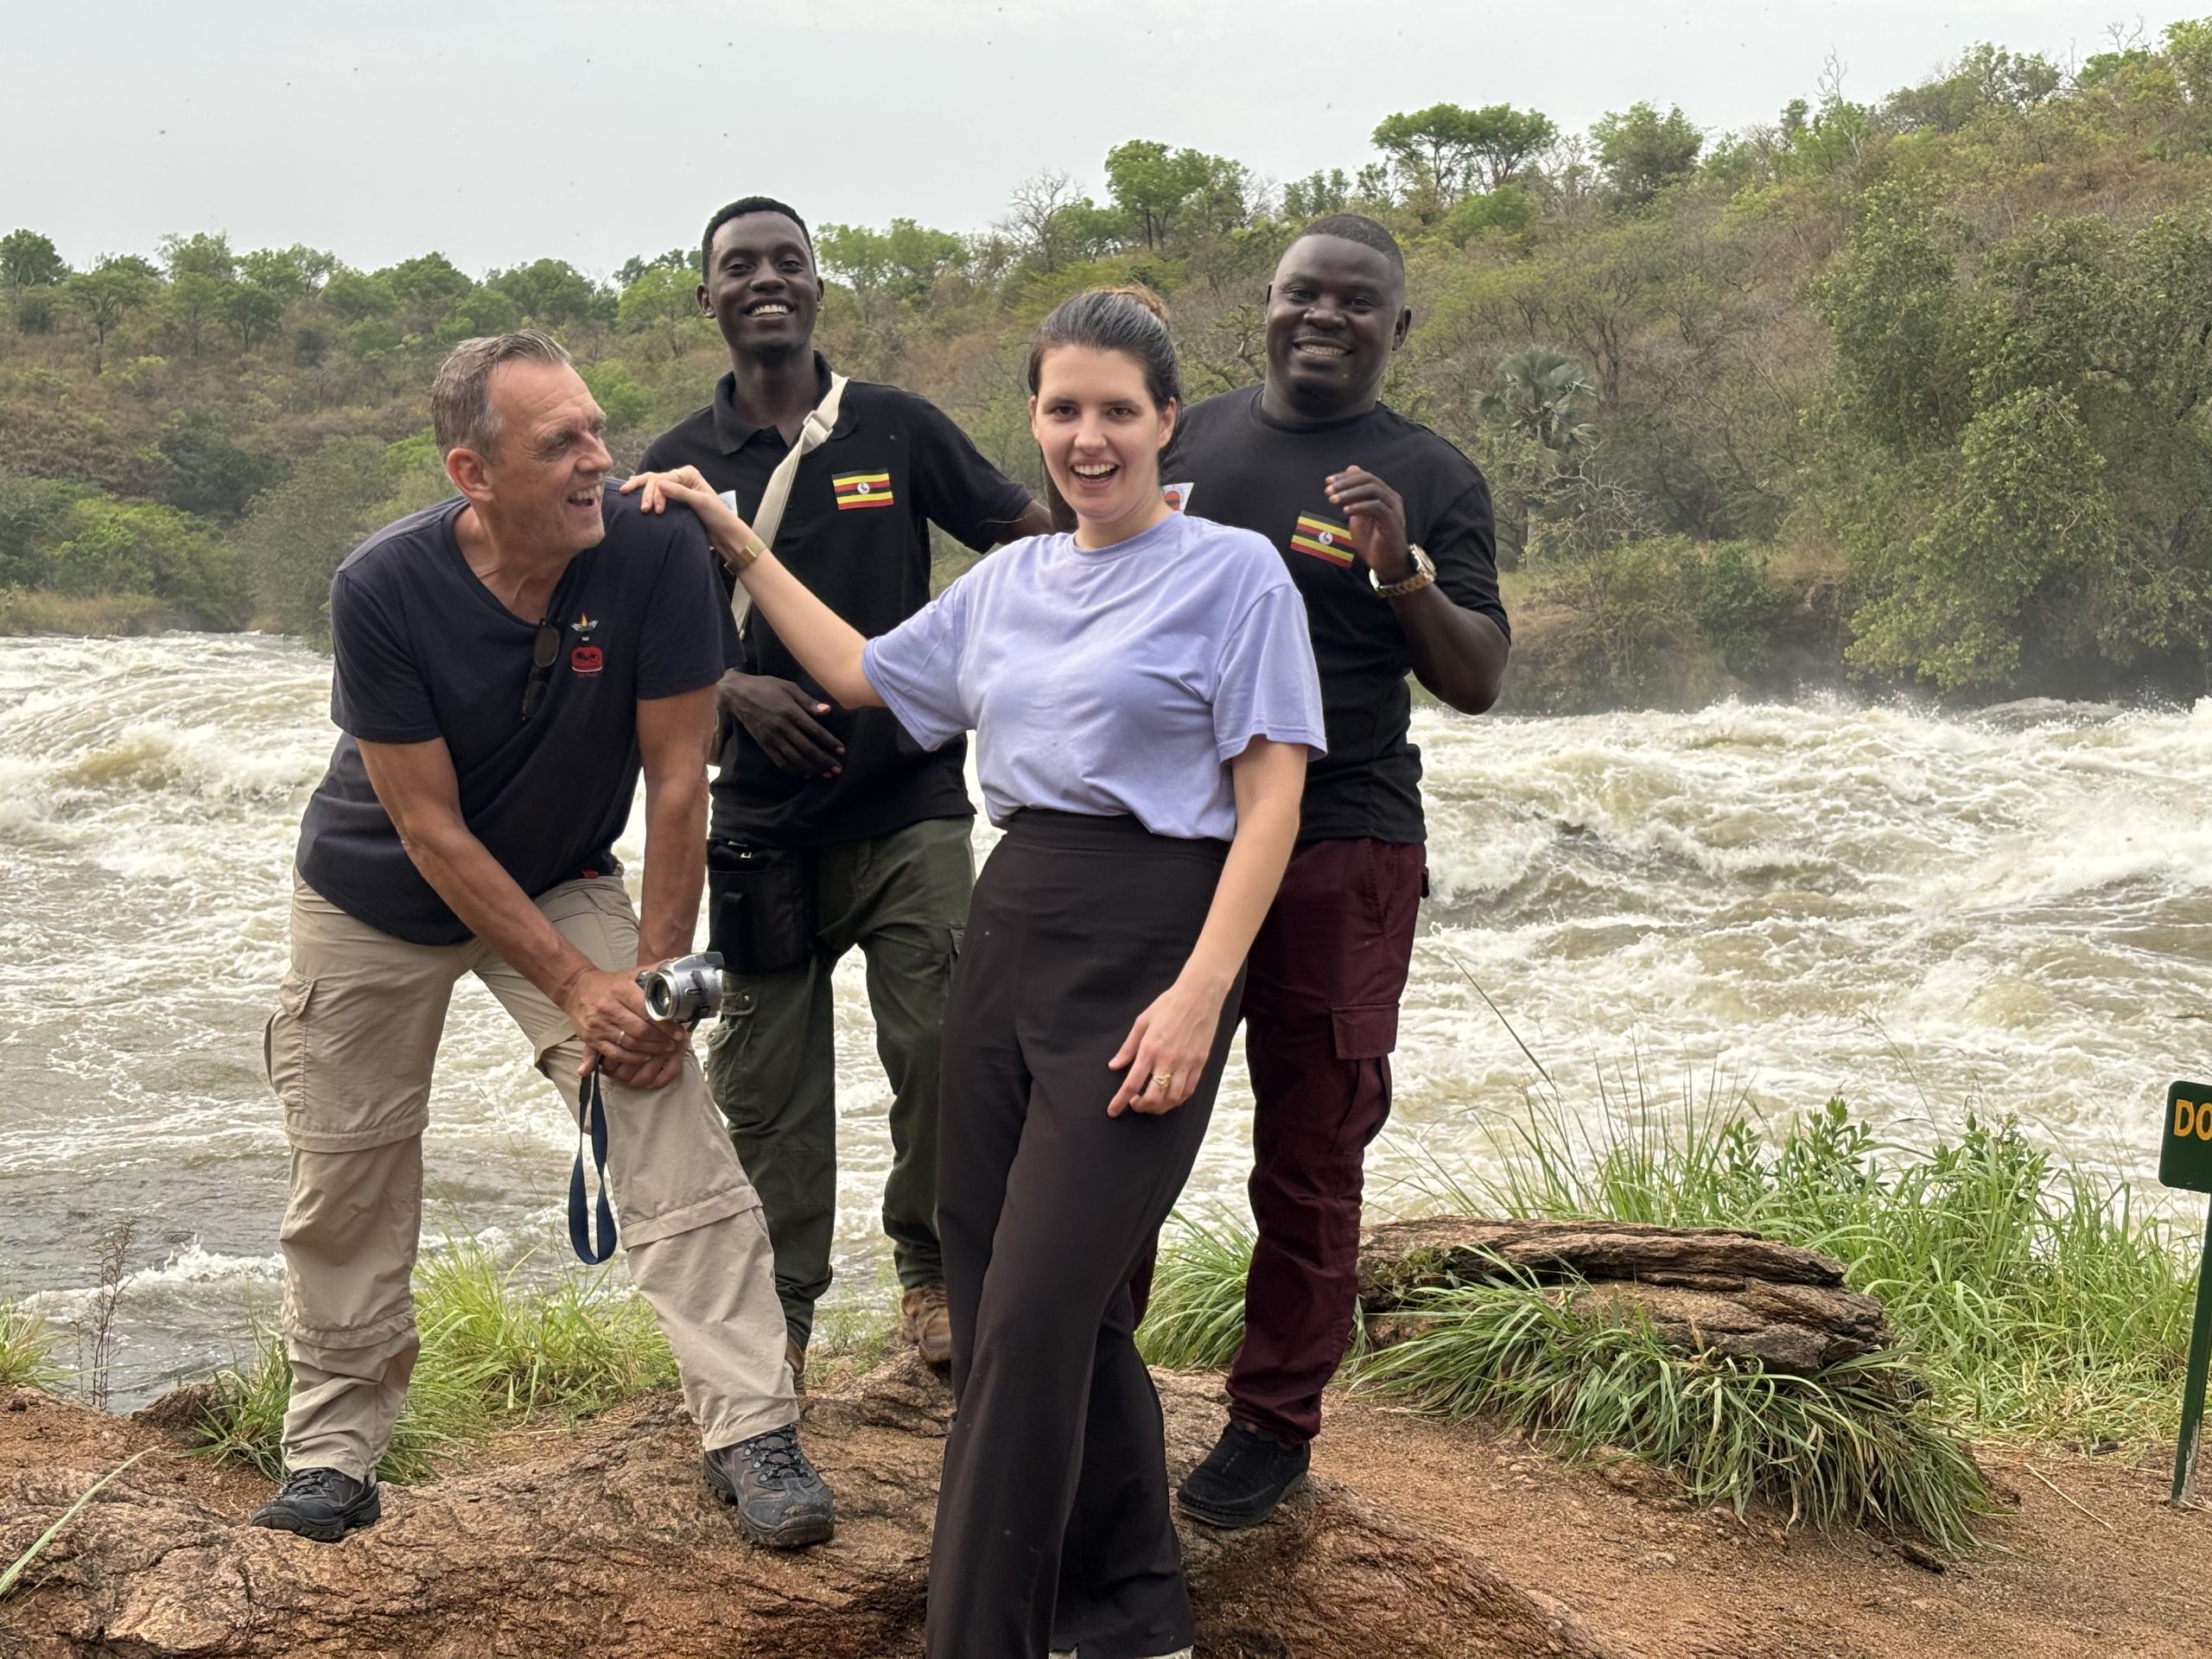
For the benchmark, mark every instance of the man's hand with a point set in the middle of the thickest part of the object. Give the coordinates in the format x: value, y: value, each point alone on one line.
x: 645, y: 1070
x: 609, y: 1012
x: 1378, y: 522
x: 782, y: 718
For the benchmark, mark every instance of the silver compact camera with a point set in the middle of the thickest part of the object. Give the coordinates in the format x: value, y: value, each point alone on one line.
x: 684, y: 991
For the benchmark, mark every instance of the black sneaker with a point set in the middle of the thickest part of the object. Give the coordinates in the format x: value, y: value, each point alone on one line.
x: 781, y: 1501
x: 1248, y: 1473
x: 322, y: 1504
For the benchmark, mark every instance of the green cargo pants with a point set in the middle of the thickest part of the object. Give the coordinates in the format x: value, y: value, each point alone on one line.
x: 770, y: 1060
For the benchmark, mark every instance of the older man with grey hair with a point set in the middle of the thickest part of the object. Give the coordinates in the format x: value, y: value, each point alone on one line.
x: 507, y: 663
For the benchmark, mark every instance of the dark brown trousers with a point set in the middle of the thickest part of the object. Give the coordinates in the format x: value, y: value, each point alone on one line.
x: 1321, y: 1020
x: 1052, y: 1527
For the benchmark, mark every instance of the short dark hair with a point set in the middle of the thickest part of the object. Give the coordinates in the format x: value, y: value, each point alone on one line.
x: 1130, y: 319
x: 1357, y: 228
x: 739, y: 209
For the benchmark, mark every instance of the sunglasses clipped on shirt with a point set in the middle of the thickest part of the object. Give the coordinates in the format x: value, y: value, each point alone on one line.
x: 543, y: 655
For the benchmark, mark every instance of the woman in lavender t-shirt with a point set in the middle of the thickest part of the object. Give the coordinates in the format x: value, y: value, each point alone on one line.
x: 1144, y: 700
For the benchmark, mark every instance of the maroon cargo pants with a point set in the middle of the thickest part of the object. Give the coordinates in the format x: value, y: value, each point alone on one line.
x: 1321, y: 1018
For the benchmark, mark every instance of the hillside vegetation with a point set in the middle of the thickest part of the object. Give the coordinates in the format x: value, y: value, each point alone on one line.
x: 1913, y: 390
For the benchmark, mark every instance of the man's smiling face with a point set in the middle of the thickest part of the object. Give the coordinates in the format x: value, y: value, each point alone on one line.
x: 761, y: 289
x: 1336, y: 311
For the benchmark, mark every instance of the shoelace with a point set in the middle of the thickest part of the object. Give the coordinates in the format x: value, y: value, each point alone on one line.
x: 777, y: 1458
x: 312, y: 1483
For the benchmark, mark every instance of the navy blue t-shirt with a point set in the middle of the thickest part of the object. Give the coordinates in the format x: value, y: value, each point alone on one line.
x: 423, y: 650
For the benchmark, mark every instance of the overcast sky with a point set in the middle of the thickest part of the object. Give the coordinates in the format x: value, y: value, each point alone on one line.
x: 498, y: 132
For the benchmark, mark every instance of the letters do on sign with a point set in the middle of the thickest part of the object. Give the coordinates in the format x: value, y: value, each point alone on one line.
x: 2185, y: 1152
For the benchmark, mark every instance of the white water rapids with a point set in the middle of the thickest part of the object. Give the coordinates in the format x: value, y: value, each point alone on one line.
x: 2012, y: 911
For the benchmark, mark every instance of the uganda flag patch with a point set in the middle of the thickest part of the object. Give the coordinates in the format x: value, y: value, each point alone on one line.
x: 1324, y: 538
x: 862, y: 490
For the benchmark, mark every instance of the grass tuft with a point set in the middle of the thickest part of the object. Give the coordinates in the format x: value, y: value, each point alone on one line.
x: 2039, y: 1299
x: 496, y: 1352
x: 1196, y: 1317
x: 1851, y: 1445
x: 27, y: 1344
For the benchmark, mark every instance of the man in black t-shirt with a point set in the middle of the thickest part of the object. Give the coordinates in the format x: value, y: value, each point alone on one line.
x: 1387, y: 530
x: 507, y: 665
x: 831, y: 827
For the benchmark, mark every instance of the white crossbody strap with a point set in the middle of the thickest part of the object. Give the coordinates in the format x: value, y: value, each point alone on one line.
x: 820, y: 421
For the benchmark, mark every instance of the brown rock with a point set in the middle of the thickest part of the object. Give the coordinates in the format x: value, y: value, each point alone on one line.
x: 607, y: 1542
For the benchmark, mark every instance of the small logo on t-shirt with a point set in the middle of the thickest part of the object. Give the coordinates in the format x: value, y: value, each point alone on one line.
x: 1324, y: 538
x: 1177, y: 496
x: 862, y: 490
x: 586, y: 659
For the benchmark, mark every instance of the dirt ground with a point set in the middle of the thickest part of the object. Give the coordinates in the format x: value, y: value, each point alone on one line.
x: 2087, y: 1560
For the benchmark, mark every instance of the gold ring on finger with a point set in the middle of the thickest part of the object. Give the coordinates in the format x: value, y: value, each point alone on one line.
x: 1162, y: 1080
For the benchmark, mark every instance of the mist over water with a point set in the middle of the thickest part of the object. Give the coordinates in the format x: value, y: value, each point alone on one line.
x: 2012, y: 913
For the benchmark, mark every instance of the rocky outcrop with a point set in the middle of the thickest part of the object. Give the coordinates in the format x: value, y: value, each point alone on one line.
x: 1705, y: 1289
x: 607, y: 1542
x: 604, y: 1540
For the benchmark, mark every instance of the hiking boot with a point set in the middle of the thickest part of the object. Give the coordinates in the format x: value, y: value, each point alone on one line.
x: 926, y: 1320
x: 1246, y: 1475
x: 795, y: 1357
x: 320, y: 1504
x: 1070, y: 1653
x: 781, y: 1501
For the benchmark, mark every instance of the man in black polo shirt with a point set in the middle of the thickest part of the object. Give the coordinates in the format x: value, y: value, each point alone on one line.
x: 507, y: 663
x: 831, y: 827
x: 1387, y: 530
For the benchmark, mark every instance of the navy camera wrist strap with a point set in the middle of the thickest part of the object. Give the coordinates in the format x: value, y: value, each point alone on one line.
x: 591, y: 1124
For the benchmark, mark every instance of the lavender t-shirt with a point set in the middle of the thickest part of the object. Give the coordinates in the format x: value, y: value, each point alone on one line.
x: 1119, y: 680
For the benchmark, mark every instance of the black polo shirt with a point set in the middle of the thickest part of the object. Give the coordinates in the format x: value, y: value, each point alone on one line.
x: 856, y: 530
x: 423, y: 649
x: 1230, y: 462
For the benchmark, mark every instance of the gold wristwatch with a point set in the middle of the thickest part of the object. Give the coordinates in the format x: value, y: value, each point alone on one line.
x: 1424, y: 573
x: 745, y: 555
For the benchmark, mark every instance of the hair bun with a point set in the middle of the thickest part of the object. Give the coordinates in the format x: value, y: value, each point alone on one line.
x: 1143, y: 295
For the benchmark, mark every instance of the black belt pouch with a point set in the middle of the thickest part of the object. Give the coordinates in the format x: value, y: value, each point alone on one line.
x: 760, y: 906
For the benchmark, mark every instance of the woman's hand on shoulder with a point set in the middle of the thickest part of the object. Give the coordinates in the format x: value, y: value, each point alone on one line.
x: 1166, y: 1050
x: 730, y: 534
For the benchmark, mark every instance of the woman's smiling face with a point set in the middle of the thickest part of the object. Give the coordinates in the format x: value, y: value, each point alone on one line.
x: 1101, y: 434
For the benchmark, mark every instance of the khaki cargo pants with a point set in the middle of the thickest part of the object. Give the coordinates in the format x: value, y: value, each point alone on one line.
x: 350, y: 1051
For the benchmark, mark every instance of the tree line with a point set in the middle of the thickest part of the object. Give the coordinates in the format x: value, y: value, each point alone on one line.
x: 1911, y: 389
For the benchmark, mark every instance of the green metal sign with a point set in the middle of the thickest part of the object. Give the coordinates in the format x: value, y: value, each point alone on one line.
x: 2185, y: 1161
x: 2185, y: 1158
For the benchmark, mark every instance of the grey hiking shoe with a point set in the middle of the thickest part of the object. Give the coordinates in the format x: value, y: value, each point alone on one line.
x: 322, y: 1504
x: 781, y: 1501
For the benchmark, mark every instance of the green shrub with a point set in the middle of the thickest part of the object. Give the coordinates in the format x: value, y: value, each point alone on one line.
x: 137, y: 547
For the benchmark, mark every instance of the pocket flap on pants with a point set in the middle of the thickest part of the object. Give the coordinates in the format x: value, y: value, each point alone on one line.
x: 1366, y: 1032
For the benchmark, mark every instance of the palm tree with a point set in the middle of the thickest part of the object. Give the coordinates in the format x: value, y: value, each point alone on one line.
x: 1545, y: 396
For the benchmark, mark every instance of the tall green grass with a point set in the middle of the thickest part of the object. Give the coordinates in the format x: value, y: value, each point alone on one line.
x: 497, y: 1351
x: 1851, y: 1445
x: 2040, y: 1300
x: 27, y: 1344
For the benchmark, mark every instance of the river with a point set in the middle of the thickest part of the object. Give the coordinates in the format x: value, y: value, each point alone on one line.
x: 2011, y: 912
